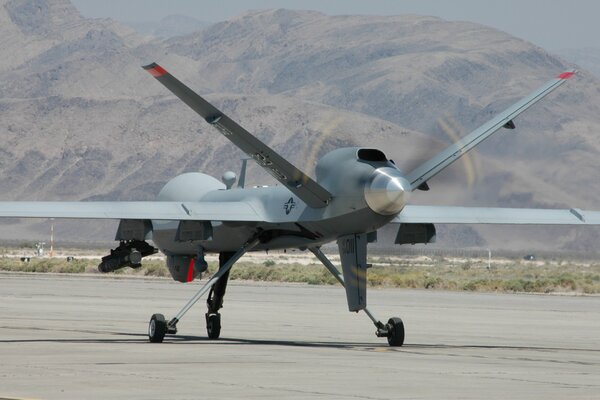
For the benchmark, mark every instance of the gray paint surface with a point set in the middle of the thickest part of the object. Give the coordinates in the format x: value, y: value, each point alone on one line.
x: 494, y: 215
x: 64, y: 337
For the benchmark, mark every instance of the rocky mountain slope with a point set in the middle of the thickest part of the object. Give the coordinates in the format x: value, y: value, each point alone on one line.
x: 82, y: 120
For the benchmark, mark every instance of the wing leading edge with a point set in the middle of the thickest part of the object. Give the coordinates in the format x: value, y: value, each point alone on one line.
x: 295, y: 180
x: 432, y: 167
x: 156, y: 210
x: 413, y: 214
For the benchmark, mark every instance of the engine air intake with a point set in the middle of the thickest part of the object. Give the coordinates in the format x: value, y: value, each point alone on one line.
x: 371, y: 155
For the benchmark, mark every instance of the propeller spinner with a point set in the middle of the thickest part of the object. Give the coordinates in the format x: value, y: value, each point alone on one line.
x: 387, y: 191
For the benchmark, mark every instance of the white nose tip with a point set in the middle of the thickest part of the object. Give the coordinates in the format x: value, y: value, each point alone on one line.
x: 386, y: 191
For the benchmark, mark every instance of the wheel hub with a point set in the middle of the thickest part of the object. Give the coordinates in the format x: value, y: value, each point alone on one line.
x: 152, y: 328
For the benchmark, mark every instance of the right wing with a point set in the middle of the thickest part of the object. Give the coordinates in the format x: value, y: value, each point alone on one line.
x: 414, y: 214
x: 152, y: 210
x: 295, y: 180
x: 430, y: 168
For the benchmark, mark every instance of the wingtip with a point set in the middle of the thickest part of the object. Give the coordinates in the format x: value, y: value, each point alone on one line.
x: 155, y: 70
x: 567, y: 74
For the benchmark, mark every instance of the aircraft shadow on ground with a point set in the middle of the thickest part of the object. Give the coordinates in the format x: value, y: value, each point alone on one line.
x: 376, y: 346
x: 127, y: 337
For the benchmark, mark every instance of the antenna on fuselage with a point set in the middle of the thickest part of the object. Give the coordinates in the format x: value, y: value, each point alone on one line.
x: 228, y: 179
x: 242, y: 180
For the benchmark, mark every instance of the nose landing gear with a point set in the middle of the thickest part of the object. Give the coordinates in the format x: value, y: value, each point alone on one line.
x: 393, y: 330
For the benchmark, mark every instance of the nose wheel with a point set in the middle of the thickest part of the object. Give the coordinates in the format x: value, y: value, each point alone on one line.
x: 395, y: 332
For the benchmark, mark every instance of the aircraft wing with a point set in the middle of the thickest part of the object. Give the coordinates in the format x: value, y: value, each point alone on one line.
x: 432, y: 167
x: 412, y: 214
x: 291, y: 177
x: 156, y: 210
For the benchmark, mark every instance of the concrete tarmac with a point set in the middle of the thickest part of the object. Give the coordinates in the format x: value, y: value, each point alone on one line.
x: 84, y: 337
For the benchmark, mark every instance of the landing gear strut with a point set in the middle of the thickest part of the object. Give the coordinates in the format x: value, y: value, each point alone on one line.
x: 393, y: 330
x: 157, y: 329
x: 215, y: 299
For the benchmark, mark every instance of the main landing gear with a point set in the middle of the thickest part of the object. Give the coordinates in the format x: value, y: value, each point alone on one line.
x: 158, y: 327
x: 393, y: 330
x: 215, y: 299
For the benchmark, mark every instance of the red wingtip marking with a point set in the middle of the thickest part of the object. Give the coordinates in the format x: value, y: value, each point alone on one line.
x: 566, y: 75
x: 157, y: 71
x: 190, y: 275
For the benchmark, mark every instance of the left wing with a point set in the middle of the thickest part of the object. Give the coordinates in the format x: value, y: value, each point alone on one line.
x: 413, y: 214
x: 296, y: 181
x: 156, y: 210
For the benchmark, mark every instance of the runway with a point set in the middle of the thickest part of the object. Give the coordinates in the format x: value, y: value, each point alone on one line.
x: 84, y: 337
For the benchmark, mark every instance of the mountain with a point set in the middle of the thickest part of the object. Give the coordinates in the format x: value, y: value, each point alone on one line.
x: 169, y: 26
x: 81, y: 120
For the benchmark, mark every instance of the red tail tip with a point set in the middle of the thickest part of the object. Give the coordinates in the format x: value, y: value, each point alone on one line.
x: 566, y: 75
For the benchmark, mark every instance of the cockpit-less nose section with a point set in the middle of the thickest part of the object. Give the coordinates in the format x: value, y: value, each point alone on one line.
x: 367, y: 174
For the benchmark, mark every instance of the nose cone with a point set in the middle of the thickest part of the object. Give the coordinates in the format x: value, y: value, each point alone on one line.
x: 387, y: 191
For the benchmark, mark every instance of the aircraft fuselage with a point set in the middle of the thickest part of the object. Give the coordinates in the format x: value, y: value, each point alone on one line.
x: 367, y: 192
x: 294, y: 224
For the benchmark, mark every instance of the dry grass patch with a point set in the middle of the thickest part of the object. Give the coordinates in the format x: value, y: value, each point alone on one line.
x: 503, y: 275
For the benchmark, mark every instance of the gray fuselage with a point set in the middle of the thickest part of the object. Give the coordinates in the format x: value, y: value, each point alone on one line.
x: 288, y: 221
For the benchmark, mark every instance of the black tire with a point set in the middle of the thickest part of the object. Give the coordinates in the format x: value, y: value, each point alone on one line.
x: 395, y: 328
x: 213, y: 325
x: 157, y: 328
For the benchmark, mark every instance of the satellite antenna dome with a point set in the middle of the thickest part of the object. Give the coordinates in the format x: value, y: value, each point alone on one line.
x: 229, y: 179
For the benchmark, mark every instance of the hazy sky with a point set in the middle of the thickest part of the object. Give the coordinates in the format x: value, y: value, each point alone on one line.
x: 552, y: 24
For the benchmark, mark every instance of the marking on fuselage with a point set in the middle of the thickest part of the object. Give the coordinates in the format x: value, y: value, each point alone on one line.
x: 289, y: 206
x: 187, y: 211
